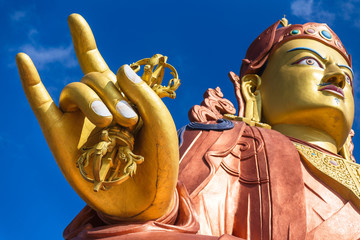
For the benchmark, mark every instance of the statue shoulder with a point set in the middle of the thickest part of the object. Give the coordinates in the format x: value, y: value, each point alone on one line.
x: 340, y: 174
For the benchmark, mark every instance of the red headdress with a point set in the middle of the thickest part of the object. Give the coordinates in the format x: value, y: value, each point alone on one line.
x: 273, y: 37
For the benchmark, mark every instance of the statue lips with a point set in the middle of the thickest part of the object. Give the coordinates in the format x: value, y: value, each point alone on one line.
x: 333, y: 89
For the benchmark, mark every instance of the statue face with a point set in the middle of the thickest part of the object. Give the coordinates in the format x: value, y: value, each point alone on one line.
x: 308, y: 83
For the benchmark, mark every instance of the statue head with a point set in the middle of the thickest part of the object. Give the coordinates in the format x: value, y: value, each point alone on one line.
x: 300, y: 75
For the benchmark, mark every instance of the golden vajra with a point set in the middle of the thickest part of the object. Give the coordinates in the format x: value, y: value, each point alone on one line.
x: 154, y: 77
x: 112, y: 160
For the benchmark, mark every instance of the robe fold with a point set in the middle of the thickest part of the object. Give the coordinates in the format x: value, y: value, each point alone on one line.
x: 242, y: 183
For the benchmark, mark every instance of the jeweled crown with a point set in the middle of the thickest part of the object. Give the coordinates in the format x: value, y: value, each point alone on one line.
x: 273, y: 37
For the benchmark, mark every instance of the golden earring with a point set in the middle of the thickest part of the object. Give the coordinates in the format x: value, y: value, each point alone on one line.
x: 250, y: 84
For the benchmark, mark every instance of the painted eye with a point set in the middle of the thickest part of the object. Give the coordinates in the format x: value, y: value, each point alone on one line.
x: 348, y: 79
x: 309, y: 61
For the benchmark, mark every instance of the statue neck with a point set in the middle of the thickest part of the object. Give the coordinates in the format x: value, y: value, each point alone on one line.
x: 308, y: 134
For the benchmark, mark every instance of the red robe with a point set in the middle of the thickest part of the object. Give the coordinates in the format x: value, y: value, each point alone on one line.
x: 242, y: 183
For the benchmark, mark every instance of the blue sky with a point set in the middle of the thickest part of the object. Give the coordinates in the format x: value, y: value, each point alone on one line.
x: 204, y: 40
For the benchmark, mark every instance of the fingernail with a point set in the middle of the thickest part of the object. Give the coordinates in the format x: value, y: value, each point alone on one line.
x: 124, y: 109
x: 100, y: 109
x: 132, y: 75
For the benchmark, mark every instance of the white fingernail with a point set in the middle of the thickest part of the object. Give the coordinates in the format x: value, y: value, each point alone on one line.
x: 100, y: 109
x: 131, y: 74
x: 124, y: 109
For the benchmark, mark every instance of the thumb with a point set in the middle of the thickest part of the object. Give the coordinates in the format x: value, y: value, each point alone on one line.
x: 148, y: 103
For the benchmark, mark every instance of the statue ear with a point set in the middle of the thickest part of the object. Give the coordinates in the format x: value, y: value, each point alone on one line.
x: 250, y: 84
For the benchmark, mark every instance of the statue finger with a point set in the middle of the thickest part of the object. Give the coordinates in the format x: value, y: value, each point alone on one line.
x: 78, y: 96
x: 123, y: 113
x: 157, y: 140
x: 148, y: 103
x: 88, y: 55
x: 38, y: 97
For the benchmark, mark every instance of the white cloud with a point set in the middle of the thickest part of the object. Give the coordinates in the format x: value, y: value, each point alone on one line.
x: 32, y: 32
x: 311, y: 11
x: 40, y: 54
x: 43, y: 56
x: 357, y: 23
x: 327, y: 10
x: 302, y: 8
x: 347, y: 8
x: 18, y: 15
x: 325, y: 16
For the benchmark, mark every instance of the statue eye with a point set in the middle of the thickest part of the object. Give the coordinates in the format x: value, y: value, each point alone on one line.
x: 309, y: 61
x: 348, y: 79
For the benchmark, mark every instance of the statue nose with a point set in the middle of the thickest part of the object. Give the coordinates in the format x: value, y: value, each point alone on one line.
x: 333, y: 75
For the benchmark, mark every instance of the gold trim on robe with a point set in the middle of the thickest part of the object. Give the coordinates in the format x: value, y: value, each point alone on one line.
x: 338, y: 173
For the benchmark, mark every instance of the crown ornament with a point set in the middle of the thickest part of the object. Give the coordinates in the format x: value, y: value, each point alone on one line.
x: 273, y: 37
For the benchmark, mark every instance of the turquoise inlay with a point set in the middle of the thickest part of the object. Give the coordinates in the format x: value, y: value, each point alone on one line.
x: 309, y: 49
x: 326, y: 34
x: 345, y: 66
x: 295, y: 32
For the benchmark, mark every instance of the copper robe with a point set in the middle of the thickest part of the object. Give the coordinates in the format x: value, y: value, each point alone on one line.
x: 242, y: 183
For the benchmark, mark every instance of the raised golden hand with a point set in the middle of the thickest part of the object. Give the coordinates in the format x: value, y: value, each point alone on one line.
x: 86, y: 108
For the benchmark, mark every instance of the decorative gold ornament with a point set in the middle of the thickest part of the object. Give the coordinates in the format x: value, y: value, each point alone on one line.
x: 108, y: 156
x: 284, y: 22
x: 100, y: 101
x: 289, y: 97
x: 340, y: 174
x: 154, y: 77
x: 247, y: 121
x: 250, y: 85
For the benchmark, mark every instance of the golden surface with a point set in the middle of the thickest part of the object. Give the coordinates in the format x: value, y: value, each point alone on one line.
x: 338, y: 173
x: 292, y: 103
x: 108, y: 158
x: 287, y: 96
x: 250, y: 85
x: 284, y: 22
x: 153, y: 77
x: 75, y: 124
x: 248, y: 121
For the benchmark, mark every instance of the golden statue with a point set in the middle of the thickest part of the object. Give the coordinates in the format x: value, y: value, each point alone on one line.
x: 282, y: 168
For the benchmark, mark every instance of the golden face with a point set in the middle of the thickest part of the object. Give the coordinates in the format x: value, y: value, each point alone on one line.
x: 308, y: 83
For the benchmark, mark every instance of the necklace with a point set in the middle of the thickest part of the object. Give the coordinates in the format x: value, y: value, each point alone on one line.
x: 340, y: 174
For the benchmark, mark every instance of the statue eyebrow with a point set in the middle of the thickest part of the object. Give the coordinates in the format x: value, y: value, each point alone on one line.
x: 312, y: 50
x: 345, y: 66
x: 308, y: 49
